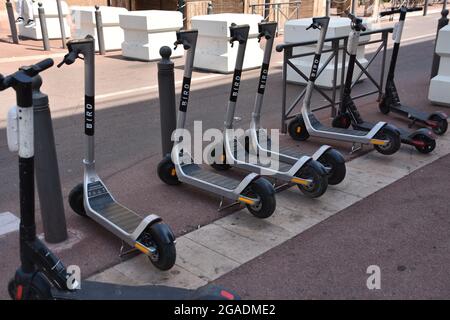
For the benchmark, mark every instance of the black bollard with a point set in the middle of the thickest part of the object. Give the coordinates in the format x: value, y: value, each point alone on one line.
x: 166, y: 87
x: 12, y: 22
x: 44, y: 30
x: 442, y: 22
x: 47, y: 172
x: 99, y: 26
x: 61, y: 23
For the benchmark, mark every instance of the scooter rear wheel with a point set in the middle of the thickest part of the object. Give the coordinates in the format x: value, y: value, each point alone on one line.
x: 166, y: 254
x: 334, y: 160
x: 319, y: 181
x: 394, y: 141
x: 222, y: 165
x: 76, y: 200
x: 383, y: 106
x: 341, y: 121
x: 167, y: 172
x: 429, y: 144
x: 442, y: 124
x: 264, y: 191
x: 297, y: 129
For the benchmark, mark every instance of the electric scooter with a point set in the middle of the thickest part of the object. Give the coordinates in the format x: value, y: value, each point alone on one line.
x: 309, y: 175
x: 93, y: 199
x: 383, y: 137
x: 332, y: 159
x: 42, y: 274
x: 255, y: 192
x: 348, y: 114
x: 390, y: 101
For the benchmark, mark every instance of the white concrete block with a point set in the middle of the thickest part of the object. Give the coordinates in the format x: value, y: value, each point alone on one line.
x: 52, y: 20
x: 83, y: 19
x: 8, y: 223
x: 295, y: 31
x: 439, y: 92
x: 214, y: 52
x: 145, y: 32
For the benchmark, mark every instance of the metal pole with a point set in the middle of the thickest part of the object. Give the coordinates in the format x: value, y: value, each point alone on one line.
x: 47, y: 172
x: 43, y: 23
x: 444, y: 5
x: 12, y: 22
x: 286, y: 56
x: 425, y: 7
x: 327, y: 7
x: 442, y: 22
x: 166, y: 85
x: 353, y: 6
x: 61, y: 23
x: 99, y: 26
x: 210, y: 8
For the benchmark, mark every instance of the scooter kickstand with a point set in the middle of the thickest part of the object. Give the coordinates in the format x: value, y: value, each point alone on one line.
x: 222, y: 207
x: 126, y: 252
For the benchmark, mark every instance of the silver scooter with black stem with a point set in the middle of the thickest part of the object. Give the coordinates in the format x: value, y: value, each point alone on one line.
x: 309, y: 175
x: 92, y: 198
x: 41, y: 274
x: 254, y: 191
x: 384, y: 137
x: 329, y: 157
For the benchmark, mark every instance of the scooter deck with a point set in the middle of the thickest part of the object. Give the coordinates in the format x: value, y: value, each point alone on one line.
x: 195, y: 171
x: 264, y: 162
x: 107, y: 291
x: 320, y: 127
x: 405, y: 135
x: 103, y: 204
x: 410, y: 112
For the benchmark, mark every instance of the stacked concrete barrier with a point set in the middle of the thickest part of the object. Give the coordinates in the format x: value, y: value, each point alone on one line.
x: 439, y: 92
x: 145, y: 32
x: 295, y: 31
x: 214, y: 52
x: 52, y: 20
x: 83, y: 19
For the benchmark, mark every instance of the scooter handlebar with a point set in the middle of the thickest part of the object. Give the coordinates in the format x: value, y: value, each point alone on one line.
x: 357, y: 23
x: 399, y: 10
x: 29, y: 71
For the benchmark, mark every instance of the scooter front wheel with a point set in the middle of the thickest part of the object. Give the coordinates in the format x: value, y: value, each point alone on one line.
x: 265, y: 193
x: 221, y: 164
x: 312, y: 171
x: 38, y: 288
x: 341, y: 121
x: 167, y: 172
x: 165, y: 255
x: 383, y: 106
x: 335, y: 163
x: 76, y: 200
x: 297, y: 129
x: 428, y: 144
x: 393, y: 138
x: 442, y: 126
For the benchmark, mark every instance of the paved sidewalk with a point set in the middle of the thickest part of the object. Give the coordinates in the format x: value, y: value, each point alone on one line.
x: 218, y: 248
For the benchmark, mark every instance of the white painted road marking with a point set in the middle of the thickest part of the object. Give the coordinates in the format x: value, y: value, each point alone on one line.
x: 8, y: 223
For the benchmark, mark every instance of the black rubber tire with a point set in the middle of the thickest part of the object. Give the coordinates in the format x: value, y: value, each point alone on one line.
x: 430, y: 144
x: 76, y: 200
x: 443, y: 124
x: 167, y: 253
x: 342, y: 121
x: 313, y: 170
x: 219, y: 166
x: 297, y: 129
x: 384, y: 108
x: 166, y: 171
x: 336, y: 162
x: 262, y: 189
x: 392, y: 136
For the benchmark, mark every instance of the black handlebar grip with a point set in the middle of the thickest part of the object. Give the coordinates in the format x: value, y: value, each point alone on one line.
x: 43, y: 65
